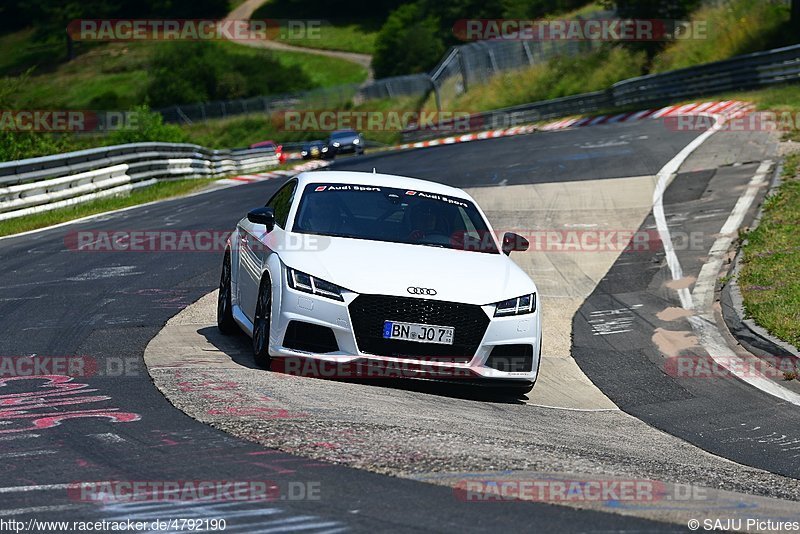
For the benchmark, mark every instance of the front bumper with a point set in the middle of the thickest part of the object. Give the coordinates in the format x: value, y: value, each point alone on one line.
x: 323, y: 312
x: 349, y: 149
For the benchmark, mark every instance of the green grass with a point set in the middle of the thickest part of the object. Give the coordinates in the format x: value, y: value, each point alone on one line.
x: 112, y: 75
x: 781, y: 99
x: 325, y: 71
x: 115, y: 75
x: 241, y: 131
x: 560, y: 76
x: 777, y: 98
x: 19, y: 52
x: 344, y: 34
x: 343, y: 37
x: 159, y: 191
x: 734, y: 28
x: 771, y: 261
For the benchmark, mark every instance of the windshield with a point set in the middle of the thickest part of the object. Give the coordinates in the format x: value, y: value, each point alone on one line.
x: 393, y: 215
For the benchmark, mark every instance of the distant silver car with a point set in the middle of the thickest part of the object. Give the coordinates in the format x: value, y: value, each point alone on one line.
x: 349, y: 266
x: 346, y: 142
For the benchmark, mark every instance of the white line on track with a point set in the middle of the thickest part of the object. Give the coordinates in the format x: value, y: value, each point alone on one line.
x: 42, y: 487
x: 26, y: 454
x: 38, y: 509
x: 19, y: 436
x: 573, y: 409
x: 701, y: 299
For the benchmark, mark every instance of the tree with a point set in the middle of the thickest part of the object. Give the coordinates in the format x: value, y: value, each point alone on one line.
x: 409, y: 42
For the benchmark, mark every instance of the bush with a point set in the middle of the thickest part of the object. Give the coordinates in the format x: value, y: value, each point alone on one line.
x: 20, y: 145
x: 183, y: 73
x: 408, y: 43
x: 149, y: 126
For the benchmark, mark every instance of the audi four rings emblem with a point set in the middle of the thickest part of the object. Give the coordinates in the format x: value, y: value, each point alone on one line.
x: 421, y: 291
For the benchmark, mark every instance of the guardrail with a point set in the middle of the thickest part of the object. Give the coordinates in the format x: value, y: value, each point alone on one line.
x: 751, y: 71
x: 42, y: 184
x: 745, y: 72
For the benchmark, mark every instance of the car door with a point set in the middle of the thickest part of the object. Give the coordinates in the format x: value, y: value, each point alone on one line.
x: 254, y: 250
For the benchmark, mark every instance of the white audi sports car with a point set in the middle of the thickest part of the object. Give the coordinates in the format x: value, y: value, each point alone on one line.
x: 382, y: 270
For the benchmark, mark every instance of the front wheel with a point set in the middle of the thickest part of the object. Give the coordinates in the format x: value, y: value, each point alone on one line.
x: 261, y: 324
x: 225, y: 321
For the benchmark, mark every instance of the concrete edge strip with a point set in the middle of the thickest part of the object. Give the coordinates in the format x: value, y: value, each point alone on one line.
x: 701, y: 299
x: 750, y: 334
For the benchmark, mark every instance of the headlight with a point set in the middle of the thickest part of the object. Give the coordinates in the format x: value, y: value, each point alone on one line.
x: 324, y: 149
x: 356, y: 141
x: 336, y: 144
x: 518, y: 306
x: 304, y: 153
x: 309, y: 284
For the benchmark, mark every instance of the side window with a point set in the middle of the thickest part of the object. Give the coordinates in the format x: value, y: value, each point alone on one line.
x: 282, y: 201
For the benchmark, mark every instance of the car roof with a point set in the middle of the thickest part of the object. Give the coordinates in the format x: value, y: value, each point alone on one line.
x: 379, y: 180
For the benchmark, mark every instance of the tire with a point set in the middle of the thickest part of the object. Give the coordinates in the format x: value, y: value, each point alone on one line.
x: 261, y: 323
x: 225, y: 321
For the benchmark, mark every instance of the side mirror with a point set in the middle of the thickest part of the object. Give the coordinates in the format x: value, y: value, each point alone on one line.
x: 514, y: 243
x: 265, y: 216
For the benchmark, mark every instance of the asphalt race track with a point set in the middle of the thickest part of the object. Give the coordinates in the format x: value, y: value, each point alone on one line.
x: 106, y: 307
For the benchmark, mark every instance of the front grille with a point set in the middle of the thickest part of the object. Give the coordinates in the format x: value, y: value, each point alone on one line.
x: 368, y: 313
x: 511, y: 358
x: 309, y: 337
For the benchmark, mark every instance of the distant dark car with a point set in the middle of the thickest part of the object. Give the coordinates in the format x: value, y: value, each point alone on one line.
x: 346, y: 142
x: 272, y: 144
x: 316, y: 150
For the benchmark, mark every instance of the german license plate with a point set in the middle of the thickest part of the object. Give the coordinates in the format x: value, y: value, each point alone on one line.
x: 423, y: 333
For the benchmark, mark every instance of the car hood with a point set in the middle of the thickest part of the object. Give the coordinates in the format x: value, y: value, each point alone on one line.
x: 375, y: 267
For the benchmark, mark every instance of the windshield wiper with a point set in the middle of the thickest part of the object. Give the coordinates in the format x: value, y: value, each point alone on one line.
x: 437, y: 245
